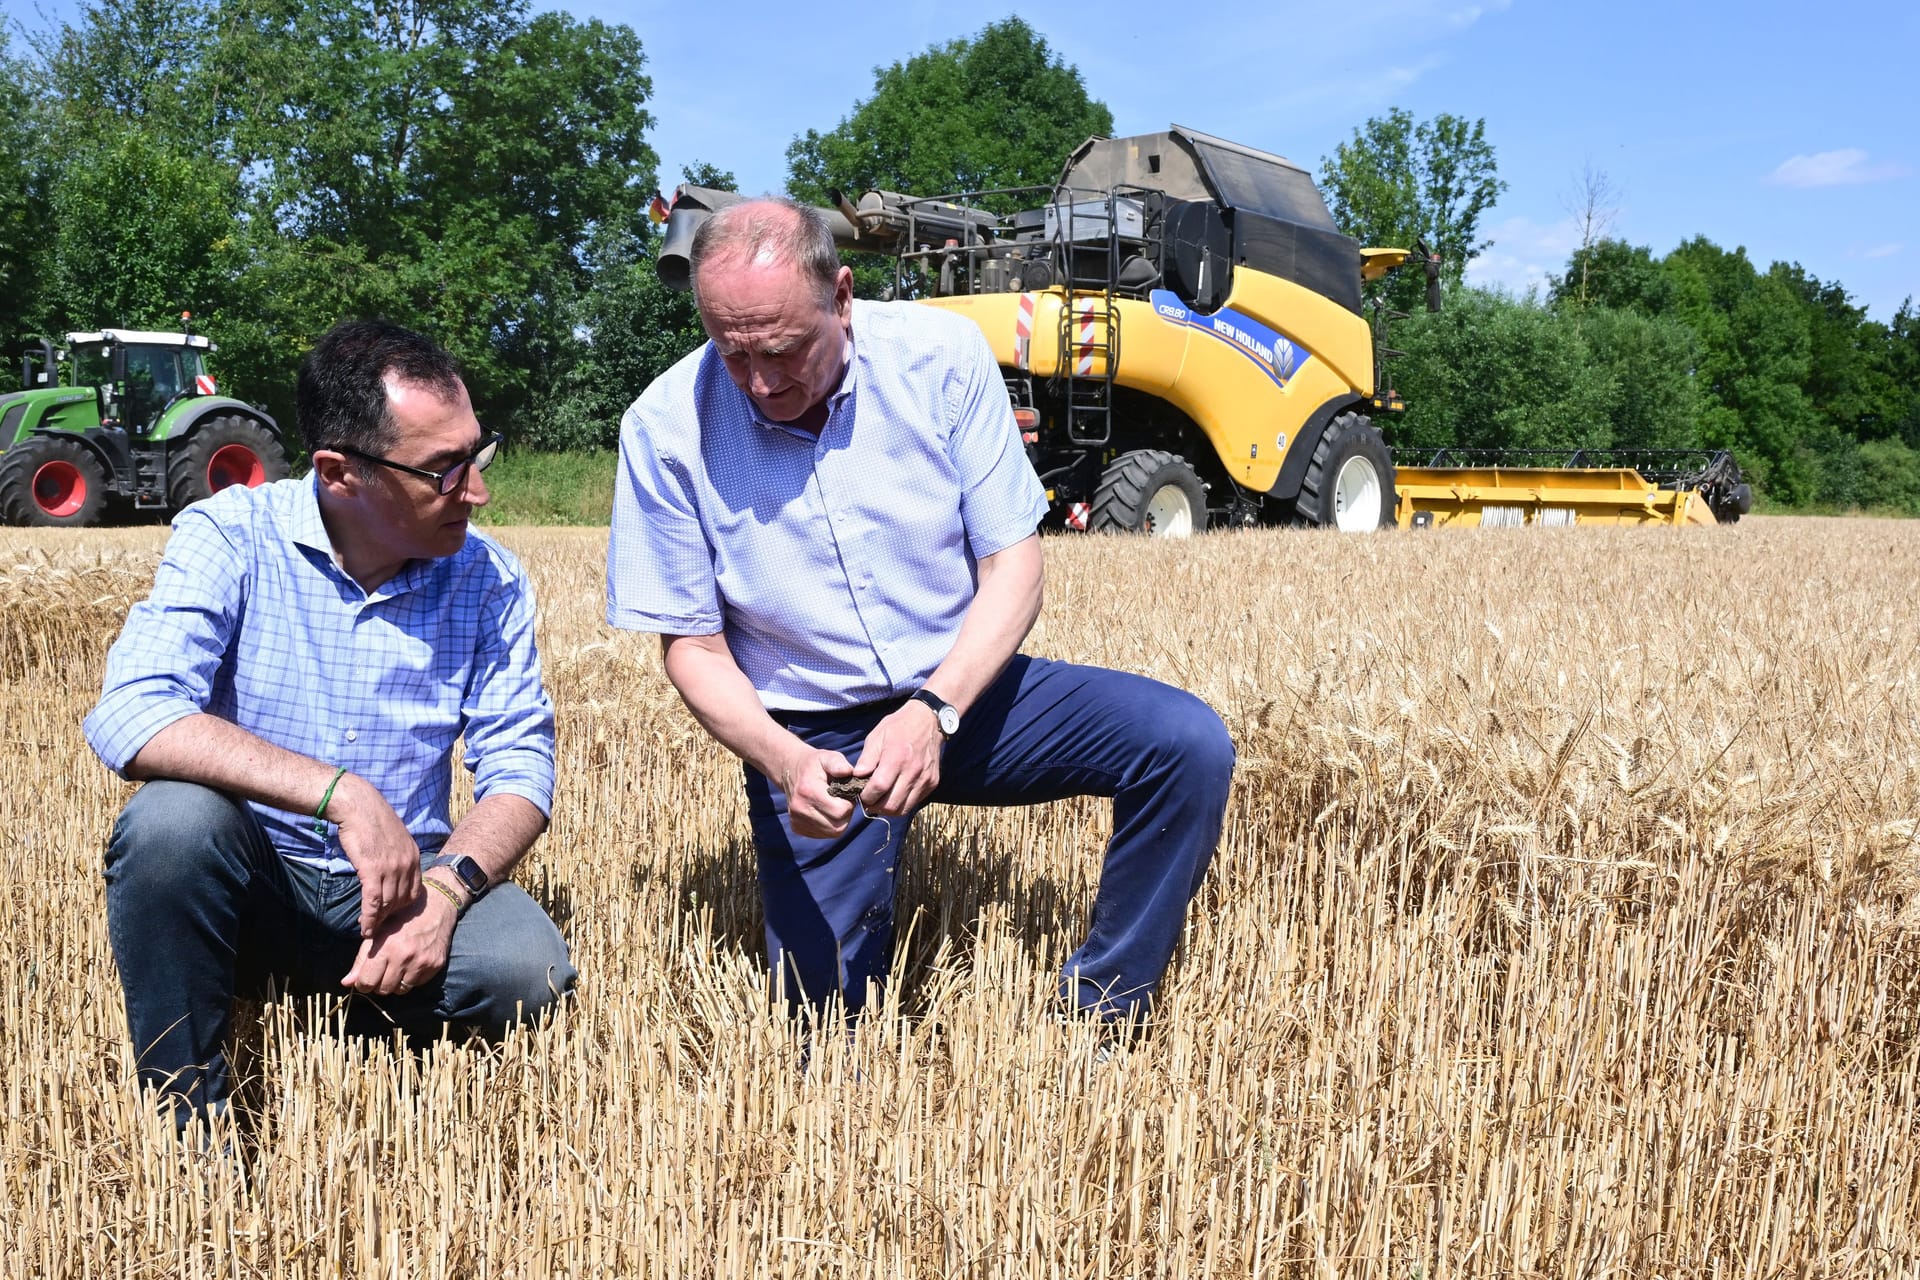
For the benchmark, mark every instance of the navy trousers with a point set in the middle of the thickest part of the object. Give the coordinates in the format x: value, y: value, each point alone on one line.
x: 1043, y: 731
x: 201, y: 908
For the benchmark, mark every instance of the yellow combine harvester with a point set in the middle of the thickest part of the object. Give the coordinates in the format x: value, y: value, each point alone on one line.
x: 1183, y: 335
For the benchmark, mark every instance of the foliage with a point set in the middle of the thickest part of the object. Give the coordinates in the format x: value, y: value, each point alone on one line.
x: 998, y: 110
x: 445, y: 163
x: 22, y: 209
x: 1491, y: 371
x: 138, y: 226
x: 1396, y: 182
x: 1654, y: 402
x: 631, y: 328
x: 627, y: 330
x: 995, y: 111
x: 547, y: 488
x: 1788, y: 372
x: 1889, y: 472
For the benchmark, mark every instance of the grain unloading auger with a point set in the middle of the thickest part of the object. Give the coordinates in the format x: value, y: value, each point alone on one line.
x: 1183, y: 334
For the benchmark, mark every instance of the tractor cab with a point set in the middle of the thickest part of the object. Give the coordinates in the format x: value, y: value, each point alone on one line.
x: 140, y: 374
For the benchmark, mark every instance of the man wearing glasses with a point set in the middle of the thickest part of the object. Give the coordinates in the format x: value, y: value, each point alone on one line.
x: 291, y: 694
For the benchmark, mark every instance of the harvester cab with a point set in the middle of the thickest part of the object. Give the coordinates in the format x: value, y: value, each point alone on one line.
x: 1183, y: 333
x: 139, y: 421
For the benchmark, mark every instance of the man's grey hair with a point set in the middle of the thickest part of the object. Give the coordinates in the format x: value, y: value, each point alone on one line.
x: 773, y: 230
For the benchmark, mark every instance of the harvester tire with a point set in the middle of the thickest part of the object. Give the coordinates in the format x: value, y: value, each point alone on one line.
x: 227, y: 451
x: 1149, y: 491
x: 1349, y: 483
x: 51, y: 483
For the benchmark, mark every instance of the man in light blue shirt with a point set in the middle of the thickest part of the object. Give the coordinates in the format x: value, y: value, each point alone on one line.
x: 291, y: 694
x: 827, y: 514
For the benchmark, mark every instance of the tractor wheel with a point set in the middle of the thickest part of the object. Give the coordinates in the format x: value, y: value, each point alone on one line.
x: 227, y: 451
x: 1152, y: 492
x: 47, y: 481
x: 1349, y: 482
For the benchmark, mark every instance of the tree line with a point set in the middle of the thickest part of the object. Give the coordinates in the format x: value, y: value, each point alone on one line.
x: 483, y: 172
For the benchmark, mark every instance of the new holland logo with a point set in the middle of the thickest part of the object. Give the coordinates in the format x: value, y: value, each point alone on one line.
x: 1272, y: 353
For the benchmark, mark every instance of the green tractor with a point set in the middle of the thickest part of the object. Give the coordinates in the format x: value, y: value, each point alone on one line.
x: 138, y: 424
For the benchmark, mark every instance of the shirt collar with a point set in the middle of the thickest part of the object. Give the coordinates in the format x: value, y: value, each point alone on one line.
x: 304, y: 524
x: 307, y: 529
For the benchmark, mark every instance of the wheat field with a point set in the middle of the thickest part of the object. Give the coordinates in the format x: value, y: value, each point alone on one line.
x: 1567, y: 923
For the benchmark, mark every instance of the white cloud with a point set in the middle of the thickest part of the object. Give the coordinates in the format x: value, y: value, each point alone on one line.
x: 1524, y: 255
x: 1467, y: 15
x: 1843, y: 168
x: 1882, y: 250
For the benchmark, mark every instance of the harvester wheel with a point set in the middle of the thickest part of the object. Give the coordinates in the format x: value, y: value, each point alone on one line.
x: 1149, y: 491
x: 1349, y: 482
x: 47, y: 481
x: 227, y: 451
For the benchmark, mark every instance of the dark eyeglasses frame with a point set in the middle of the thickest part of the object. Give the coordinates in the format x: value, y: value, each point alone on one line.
x: 444, y: 481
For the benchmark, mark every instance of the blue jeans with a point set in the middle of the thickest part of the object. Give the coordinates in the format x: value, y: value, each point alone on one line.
x: 1043, y: 731
x: 200, y: 908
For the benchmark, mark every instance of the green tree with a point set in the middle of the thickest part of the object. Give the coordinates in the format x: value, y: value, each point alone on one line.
x: 1616, y: 274
x: 138, y: 229
x: 1654, y: 401
x: 23, y: 209
x: 1888, y: 477
x: 1899, y: 359
x: 995, y: 111
x: 135, y: 63
x: 1491, y: 371
x: 450, y: 160
x: 1396, y: 182
x: 998, y: 110
x: 1847, y: 381
x: 1754, y: 362
x: 627, y: 330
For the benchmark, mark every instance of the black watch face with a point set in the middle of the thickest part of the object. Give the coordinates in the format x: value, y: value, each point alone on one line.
x: 470, y: 874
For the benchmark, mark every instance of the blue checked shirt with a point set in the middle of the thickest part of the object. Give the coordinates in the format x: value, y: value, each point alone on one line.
x: 838, y: 567
x: 252, y: 621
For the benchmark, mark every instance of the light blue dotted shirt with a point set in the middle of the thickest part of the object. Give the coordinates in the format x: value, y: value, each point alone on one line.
x: 252, y: 621
x: 838, y: 567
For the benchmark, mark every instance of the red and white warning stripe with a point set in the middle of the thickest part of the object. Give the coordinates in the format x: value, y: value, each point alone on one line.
x: 1077, y: 513
x: 1023, y: 330
x: 1083, y: 364
x: 203, y: 384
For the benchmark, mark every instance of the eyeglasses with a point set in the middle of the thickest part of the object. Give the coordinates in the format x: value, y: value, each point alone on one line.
x: 445, y: 481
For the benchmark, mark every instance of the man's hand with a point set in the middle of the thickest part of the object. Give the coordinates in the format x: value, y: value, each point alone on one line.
x: 409, y: 947
x: 380, y: 848
x: 900, y: 761
x: 814, y: 810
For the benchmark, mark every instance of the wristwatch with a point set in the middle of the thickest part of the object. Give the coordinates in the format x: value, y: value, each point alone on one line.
x: 943, y: 711
x: 472, y: 876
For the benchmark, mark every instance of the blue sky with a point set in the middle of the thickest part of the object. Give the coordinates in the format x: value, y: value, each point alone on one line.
x: 1788, y: 129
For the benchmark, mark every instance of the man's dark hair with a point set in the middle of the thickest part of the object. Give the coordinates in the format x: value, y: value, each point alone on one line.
x: 341, y: 399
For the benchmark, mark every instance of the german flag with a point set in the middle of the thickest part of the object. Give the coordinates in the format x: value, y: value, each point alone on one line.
x: 658, y: 209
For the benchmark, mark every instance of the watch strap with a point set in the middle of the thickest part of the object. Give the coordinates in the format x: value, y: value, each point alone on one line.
x: 944, y: 712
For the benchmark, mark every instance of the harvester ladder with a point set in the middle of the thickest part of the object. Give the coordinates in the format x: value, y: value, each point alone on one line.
x: 1090, y: 338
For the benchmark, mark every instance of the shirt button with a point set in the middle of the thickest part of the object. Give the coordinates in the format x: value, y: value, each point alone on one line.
x: 353, y: 735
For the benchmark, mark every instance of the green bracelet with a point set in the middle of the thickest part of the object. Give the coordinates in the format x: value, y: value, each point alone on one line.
x: 320, y: 814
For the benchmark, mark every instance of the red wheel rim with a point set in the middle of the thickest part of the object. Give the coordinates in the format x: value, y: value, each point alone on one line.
x: 59, y: 489
x: 233, y: 464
